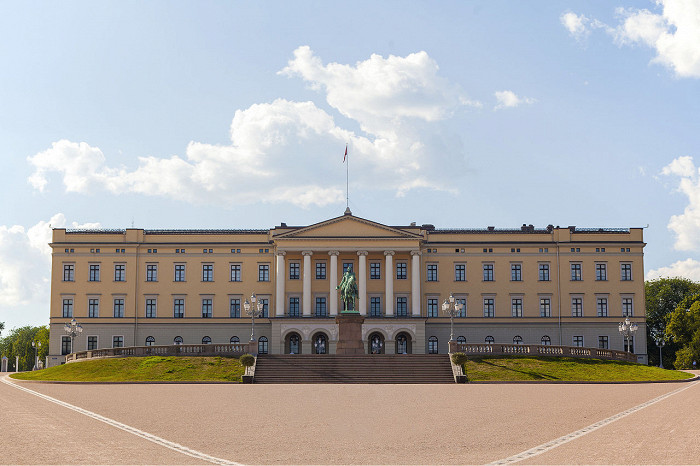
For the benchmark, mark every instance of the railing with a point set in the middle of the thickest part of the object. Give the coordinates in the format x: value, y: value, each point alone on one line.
x: 541, y: 350
x: 226, y: 349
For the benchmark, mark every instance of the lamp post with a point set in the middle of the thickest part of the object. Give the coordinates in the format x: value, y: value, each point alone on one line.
x: 73, y: 329
x: 660, y: 343
x: 627, y: 329
x: 254, y: 308
x: 452, y: 307
x: 36, y: 345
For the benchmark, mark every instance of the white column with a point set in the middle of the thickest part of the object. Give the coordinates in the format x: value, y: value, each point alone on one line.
x: 362, y: 284
x: 415, y: 283
x: 389, y: 287
x: 281, y: 277
x: 306, y: 290
x: 333, y: 293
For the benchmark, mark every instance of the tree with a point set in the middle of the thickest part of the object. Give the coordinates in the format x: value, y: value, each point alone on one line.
x: 19, y: 343
x: 2, y: 327
x: 684, y: 329
x: 663, y: 295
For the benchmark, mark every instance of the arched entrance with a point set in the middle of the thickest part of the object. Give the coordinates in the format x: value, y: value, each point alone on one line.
x: 319, y: 343
x: 376, y: 343
x: 403, y: 343
x: 292, y: 343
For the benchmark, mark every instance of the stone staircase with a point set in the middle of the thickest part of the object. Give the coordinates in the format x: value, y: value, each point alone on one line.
x: 329, y: 368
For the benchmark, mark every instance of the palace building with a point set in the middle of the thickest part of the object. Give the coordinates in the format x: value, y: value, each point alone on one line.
x: 551, y: 286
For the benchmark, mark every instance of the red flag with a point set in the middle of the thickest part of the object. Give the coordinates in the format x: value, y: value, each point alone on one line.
x: 346, y: 153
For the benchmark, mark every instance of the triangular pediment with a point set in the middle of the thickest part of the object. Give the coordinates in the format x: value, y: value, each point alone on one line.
x: 348, y: 226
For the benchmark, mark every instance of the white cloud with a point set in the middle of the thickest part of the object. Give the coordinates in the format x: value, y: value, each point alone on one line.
x: 575, y: 24
x: 689, y: 268
x: 508, y: 99
x: 686, y: 225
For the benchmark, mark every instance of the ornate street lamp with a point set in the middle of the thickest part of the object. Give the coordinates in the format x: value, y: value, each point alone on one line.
x: 660, y: 343
x: 36, y: 345
x: 73, y: 329
x: 627, y: 330
x: 453, y: 308
x: 254, y: 309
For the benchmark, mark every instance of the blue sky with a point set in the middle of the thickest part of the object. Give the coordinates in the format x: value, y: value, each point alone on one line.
x: 236, y: 114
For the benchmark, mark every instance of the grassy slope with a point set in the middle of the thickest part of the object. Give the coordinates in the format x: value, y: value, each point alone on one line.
x: 565, y: 369
x: 152, y: 368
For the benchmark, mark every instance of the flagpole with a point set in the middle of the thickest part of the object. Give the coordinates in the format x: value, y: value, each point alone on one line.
x: 347, y: 178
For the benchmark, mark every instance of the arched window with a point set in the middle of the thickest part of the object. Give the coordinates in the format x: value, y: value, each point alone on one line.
x: 376, y: 343
x: 461, y: 340
x: 489, y: 340
x: 177, y: 341
x: 235, y: 339
x: 150, y: 341
x: 432, y: 345
x: 262, y: 345
x: 293, y: 343
x: 320, y: 343
x: 546, y: 340
x: 206, y: 341
x: 517, y: 340
x: 403, y: 342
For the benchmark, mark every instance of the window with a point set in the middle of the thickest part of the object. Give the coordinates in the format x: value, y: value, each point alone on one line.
x: 235, y: 251
x: 627, y: 310
x: 150, y: 251
x: 93, y: 307
x: 178, y: 308
x: 576, y: 272
x: 375, y: 306
x: 118, y: 307
x: 150, y: 341
x: 544, y: 249
x: 234, y: 309
x: 401, y: 306
x: 151, y: 272
x: 460, y: 272
x: 401, y: 271
x: 320, y: 270
x: 68, y: 307
x: 578, y: 340
x: 263, y: 273
x: 294, y: 270
x: 347, y: 266
x: 91, y: 343
x: 375, y: 270
x: 117, y: 341
x: 65, y: 345
x: 294, y: 306
x: 602, y: 307
x: 488, y: 272
x: 432, y: 307
x: 544, y: 272
x: 516, y: 307
x: 625, y: 272
x: 266, y: 308
x: 516, y: 272
x: 601, y: 272
x: 545, y: 307
x: 177, y: 340
x: 603, y: 342
x: 463, y: 310
x: 262, y: 345
x: 150, y: 307
x: 517, y: 340
x: 576, y: 307
x: 432, y: 273
x: 209, y: 251
x: 575, y: 249
x: 206, y: 307
x: 206, y: 340
x: 94, y: 273
x: 179, y: 272
x: 462, y: 340
x: 546, y: 341
x: 235, y: 272
x: 514, y: 249
x: 68, y: 272
x: 489, y: 340
x: 432, y: 345
x: 119, y: 272
x: 234, y: 340
x: 321, y: 310
x: 489, y: 307
x: 207, y: 272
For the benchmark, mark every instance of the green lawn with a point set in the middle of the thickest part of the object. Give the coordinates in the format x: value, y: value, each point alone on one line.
x: 564, y: 369
x: 153, y: 368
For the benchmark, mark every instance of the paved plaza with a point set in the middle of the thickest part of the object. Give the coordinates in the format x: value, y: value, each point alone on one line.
x: 349, y: 424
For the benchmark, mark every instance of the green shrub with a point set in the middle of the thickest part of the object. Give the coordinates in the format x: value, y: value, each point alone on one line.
x: 459, y: 359
x: 247, y: 360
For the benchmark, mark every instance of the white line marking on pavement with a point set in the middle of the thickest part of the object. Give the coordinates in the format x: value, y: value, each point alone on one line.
x: 545, y: 447
x: 132, y: 430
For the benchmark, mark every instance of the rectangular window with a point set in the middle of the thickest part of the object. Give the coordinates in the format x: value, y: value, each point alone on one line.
x: 68, y: 272
x: 401, y: 306
x: 94, y: 273
x: 516, y: 272
x: 68, y: 307
x: 93, y: 307
x: 117, y: 341
x: 601, y: 272
x: 294, y: 307
x: 321, y: 310
x: 545, y: 307
x: 489, y: 307
x: 234, y: 308
x: 401, y: 273
x: 235, y: 272
x: 602, y: 307
x: 576, y: 307
x: 516, y: 307
x: 460, y: 272
x: 375, y: 270
x: 544, y: 272
x: 463, y: 310
x: 625, y: 272
x: 432, y: 307
x: 266, y: 307
x: 119, y: 272
x: 207, y: 308
x: 151, y: 272
x: 178, y: 308
x: 150, y: 307
x: 576, y: 272
x: 488, y: 272
x: 347, y: 266
x: 627, y: 310
x: 320, y: 270
x: 375, y: 306
x: 432, y: 275
x: 207, y: 272
x: 179, y: 272
x: 578, y: 340
x: 65, y: 345
x: 603, y: 342
x: 294, y: 270
x: 263, y: 273
x: 118, y: 307
x: 91, y: 343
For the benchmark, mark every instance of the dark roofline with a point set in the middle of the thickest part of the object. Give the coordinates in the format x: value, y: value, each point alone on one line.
x: 165, y: 232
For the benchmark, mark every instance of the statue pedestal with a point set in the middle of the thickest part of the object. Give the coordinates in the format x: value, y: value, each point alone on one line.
x: 350, y: 334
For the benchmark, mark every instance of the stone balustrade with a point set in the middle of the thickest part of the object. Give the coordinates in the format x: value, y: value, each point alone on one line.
x: 483, y: 349
x: 224, y: 349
